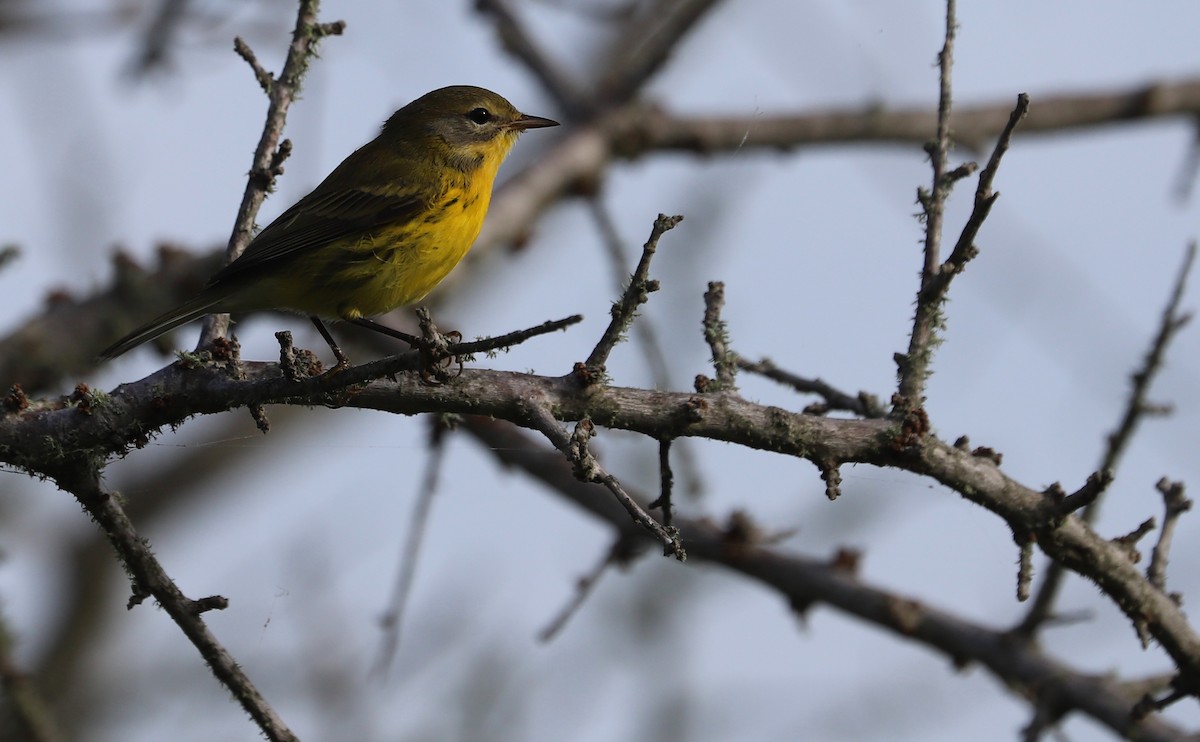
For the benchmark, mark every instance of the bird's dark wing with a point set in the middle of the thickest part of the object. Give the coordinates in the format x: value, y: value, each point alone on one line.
x: 324, y: 216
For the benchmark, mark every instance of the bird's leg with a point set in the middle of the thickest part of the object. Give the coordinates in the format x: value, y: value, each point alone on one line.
x: 435, y: 350
x: 433, y: 345
x: 342, y: 360
x: 412, y: 340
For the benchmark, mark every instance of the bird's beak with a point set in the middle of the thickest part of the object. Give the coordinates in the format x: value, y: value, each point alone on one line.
x: 523, y: 122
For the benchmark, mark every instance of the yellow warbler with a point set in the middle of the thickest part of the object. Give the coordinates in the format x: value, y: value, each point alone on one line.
x: 381, y: 231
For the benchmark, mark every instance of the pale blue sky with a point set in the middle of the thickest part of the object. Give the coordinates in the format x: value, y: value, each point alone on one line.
x: 819, y: 251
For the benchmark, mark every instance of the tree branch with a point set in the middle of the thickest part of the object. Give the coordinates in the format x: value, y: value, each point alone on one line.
x: 1136, y: 407
x: 76, y: 475
x: 269, y: 154
x: 180, y: 391
x: 805, y: 582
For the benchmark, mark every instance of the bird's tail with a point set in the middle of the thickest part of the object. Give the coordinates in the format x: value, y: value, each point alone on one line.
x: 205, y: 303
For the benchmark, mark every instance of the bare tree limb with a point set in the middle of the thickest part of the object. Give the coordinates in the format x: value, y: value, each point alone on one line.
x: 1136, y: 407
x: 174, y: 394
x: 1021, y: 667
x: 149, y: 579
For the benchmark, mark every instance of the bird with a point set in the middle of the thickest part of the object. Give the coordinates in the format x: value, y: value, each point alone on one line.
x: 381, y: 231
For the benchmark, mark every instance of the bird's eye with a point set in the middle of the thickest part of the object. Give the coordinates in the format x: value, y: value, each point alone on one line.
x: 479, y: 115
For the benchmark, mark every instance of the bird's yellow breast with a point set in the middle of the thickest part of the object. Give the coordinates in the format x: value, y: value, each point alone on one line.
x: 399, y: 264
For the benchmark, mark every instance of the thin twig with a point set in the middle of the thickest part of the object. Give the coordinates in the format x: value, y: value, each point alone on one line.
x: 269, y: 152
x: 964, y: 249
x: 914, y: 365
x: 862, y: 404
x: 644, y: 330
x: 1136, y: 408
x: 935, y: 276
x: 806, y: 581
x: 647, y: 336
x: 635, y: 295
x: 619, y: 553
x: 149, y: 579
x: 393, y: 618
x: 509, y: 339
x: 1085, y: 496
x: 1172, y: 321
x: 265, y: 79
x: 666, y: 480
x: 575, y: 447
